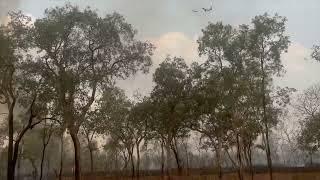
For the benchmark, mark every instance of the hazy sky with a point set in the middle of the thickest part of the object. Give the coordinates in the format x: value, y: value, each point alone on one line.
x: 173, y: 28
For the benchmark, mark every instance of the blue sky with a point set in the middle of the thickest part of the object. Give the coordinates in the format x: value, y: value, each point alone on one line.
x: 173, y: 28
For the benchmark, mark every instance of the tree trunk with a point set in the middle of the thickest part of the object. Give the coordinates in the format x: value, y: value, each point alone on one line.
x: 42, y: 160
x: 132, y: 164
x: 176, y: 155
x: 11, y: 164
x: 265, y: 120
x: 15, y: 154
x: 239, y: 158
x: 77, y: 157
x: 187, y: 157
x: 18, y: 167
x: 218, y: 154
x: 19, y: 161
x: 138, y: 160
x: 61, y: 156
x: 34, y: 166
x: 168, y: 163
x: 91, y: 158
x: 269, y: 160
x: 250, y: 162
x: 162, y: 158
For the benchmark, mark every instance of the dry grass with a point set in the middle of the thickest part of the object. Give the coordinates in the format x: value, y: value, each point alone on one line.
x: 233, y: 176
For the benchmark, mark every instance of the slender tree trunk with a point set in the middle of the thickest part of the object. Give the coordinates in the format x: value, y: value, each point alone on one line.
x: 239, y: 158
x: 187, y: 158
x: 162, y: 158
x: 18, y: 167
x: 13, y: 148
x: 138, y: 160
x: 91, y: 158
x: 42, y: 160
x: 132, y: 164
x: 176, y: 155
x: 268, y: 152
x: 218, y: 155
x: 265, y: 120
x: 15, y: 154
x: 19, y: 161
x: 168, y: 163
x: 61, y: 156
x: 11, y: 164
x: 34, y: 166
x: 77, y: 157
x: 250, y: 161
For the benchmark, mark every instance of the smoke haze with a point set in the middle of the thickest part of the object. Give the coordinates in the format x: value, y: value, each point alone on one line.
x: 7, y: 6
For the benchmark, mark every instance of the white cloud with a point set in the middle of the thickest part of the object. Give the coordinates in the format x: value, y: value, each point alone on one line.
x: 173, y: 44
x: 301, y: 70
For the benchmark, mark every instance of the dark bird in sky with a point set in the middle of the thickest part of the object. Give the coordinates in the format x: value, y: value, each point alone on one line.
x: 195, y: 11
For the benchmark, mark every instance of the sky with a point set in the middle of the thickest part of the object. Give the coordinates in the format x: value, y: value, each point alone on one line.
x: 173, y: 28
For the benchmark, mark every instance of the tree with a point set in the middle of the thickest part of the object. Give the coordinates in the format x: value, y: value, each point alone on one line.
x: 90, y: 129
x: 46, y: 134
x: 80, y: 53
x: 225, y: 93
x: 308, y: 107
x: 140, y: 118
x: 171, y: 97
x: 19, y: 88
x: 114, y: 115
x: 268, y: 40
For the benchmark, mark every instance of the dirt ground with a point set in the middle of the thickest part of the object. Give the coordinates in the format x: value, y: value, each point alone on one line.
x: 233, y: 176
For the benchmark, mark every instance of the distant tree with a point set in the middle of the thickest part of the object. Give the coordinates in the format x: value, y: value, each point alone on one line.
x: 89, y: 130
x: 141, y: 117
x: 46, y: 134
x: 114, y: 116
x: 308, y: 106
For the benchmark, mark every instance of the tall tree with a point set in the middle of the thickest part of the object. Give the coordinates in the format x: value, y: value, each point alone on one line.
x: 19, y: 88
x: 268, y: 40
x: 80, y: 53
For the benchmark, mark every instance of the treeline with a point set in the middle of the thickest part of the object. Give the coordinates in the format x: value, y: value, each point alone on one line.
x: 65, y: 113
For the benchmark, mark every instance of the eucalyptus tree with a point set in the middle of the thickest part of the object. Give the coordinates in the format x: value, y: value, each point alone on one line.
x: 171, y: 96
x: 268, y: 40
x: 19, y: 89
x: 234, y: 84
x: 141, y: 116
x: 80, y: 53
x: 114, y: 116
x: 222, y: 86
